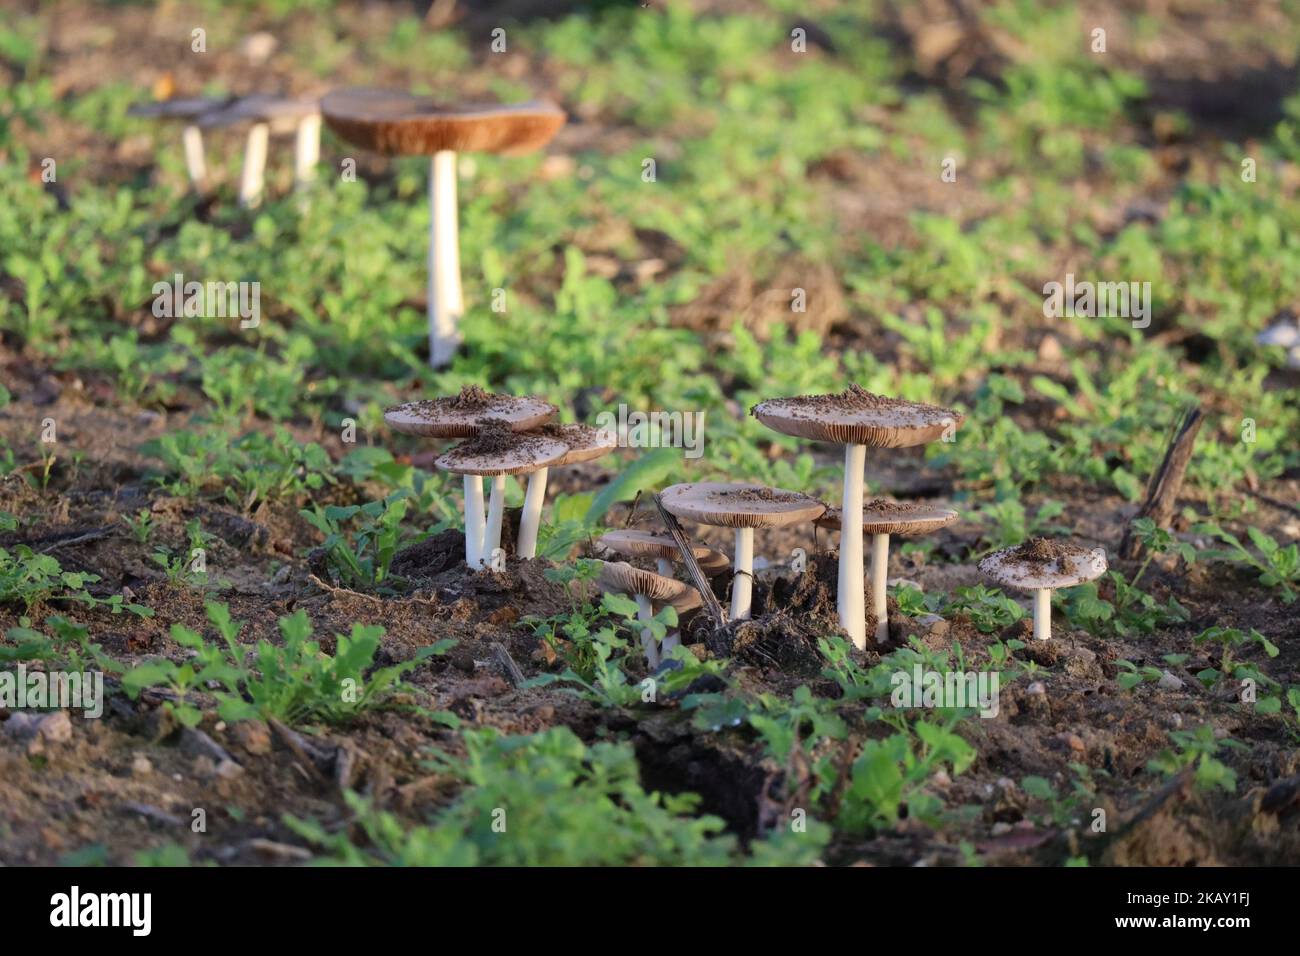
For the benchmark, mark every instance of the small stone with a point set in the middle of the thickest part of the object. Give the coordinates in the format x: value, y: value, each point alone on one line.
x: 251, y: 736
x: 1001, y: 828
x: 140, y: 766
x: 55, y: 728
x: 228, y: 769
x: 1074, y: 742
x: 204, y: 766
x: 1036, y: 689
x: 1169, y: 682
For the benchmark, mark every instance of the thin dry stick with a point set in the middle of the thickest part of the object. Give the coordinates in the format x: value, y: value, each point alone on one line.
x: 692, y: 566
x: 1167, y: 480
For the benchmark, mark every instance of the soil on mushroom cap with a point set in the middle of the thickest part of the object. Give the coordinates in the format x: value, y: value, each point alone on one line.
x: 471, y: 398
x: 855, y: 398
x: 760, y: 494
x: 1044, y: 554
x: 495, y: 437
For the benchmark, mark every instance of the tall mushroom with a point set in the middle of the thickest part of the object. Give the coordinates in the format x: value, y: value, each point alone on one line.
x: 497, y: 451
x: 661, y: 547
x: 462, y: 416
x: 1041, y: 566
x: 856, y: 419
x: 400, y: 123
x: 267, y: 116
x: 880, y: 519
x: 585, y: 444
x: 187, y: 111
x: 651, y: 591
x: 744, y: 508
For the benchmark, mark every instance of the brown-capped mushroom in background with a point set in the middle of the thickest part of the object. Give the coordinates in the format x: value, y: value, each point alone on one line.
x: 187, y: 111
x: 267, y: 116
x: 661, y: 547
x: 856, y: 419
x: 398, y: 123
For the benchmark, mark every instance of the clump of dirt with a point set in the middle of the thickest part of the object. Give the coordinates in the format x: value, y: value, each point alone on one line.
x: 471, y: 398
x: 1044, y: 554
x: 885, y: 508
x: 759, y: 494
x: 494, y: 439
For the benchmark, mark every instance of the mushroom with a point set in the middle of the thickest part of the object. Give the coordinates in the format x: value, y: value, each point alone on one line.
x: 496, y: 451
x: 187, y: 111
x: 400, y: 123
x: 1042, y: 566
x: 585, y: 444
x: 743, y: 507
x: 462, y: 416
x: 268, y: 115
x: 650, y: 591
x: 856, y: 419
x: 880, y: 519
x: 661, y: 547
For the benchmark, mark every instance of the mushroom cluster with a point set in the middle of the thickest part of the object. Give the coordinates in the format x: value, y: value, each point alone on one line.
x: 858, y: 420
x: 504, y: 436
x: 264, y: 116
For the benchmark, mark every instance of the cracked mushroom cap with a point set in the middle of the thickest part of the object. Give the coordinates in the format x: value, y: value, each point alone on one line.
x: 282, y: 114
x: 646, y: 544
x: 857, y: 417
x: 1042, y: 563
x: 496, y: 450
x: 585, y: 443
x: 619, y: 577
x: 731, y: 505
x: 463, y: 415
x: 404, y: 124
x: 181, y: 108
x: 881, y: 516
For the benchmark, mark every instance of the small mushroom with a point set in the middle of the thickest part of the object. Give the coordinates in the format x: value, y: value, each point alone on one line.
x: 585, y: 444
x: 495, y: 452
x: 651, y: 591
x: 463, y: 416
x: 1041, y: 565
x: 856, y: 419
x: 269, y: 115
x: 743, y: 507
x: 880, y: 519
x: 661, y: 547
x: 187, y: 111
x: 403, y: 124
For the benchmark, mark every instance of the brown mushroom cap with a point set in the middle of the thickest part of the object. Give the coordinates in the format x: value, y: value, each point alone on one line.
x: 585, y: 443
x: 880, y: 516
x: 463, y: 415
x: 501, y: 452
x: 1040, y: 563
x: 732, y: 505
x: 404, y: 124
x: 282, y: 113
x: 714, y: 563
x: 620, y: 577
x: 181, y: 108
x: 857, y: 417
x: 646, y: 544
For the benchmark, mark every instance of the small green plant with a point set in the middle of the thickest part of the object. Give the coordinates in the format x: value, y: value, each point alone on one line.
x: 1197, y: 748
x: 988, y: 608
x: 362, y: 558
x: 1278, y: 567
x: 141, y: 526
x: 1231, y: 641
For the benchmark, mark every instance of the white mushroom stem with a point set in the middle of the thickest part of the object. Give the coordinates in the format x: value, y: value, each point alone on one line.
x: 671, y: 640
x: 531, y: 519
x: 644, y: 612
x: 665, y: 567
x: 195, y: 164
x: 252, y: 176
x: 742, y: 582
x: 1042, y: 614
x: 306, y: 151
x: 445, y: 301
x: 475, y: 523
x: 879, y: 576
x: 496, y: 508
x: 852, y: 586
